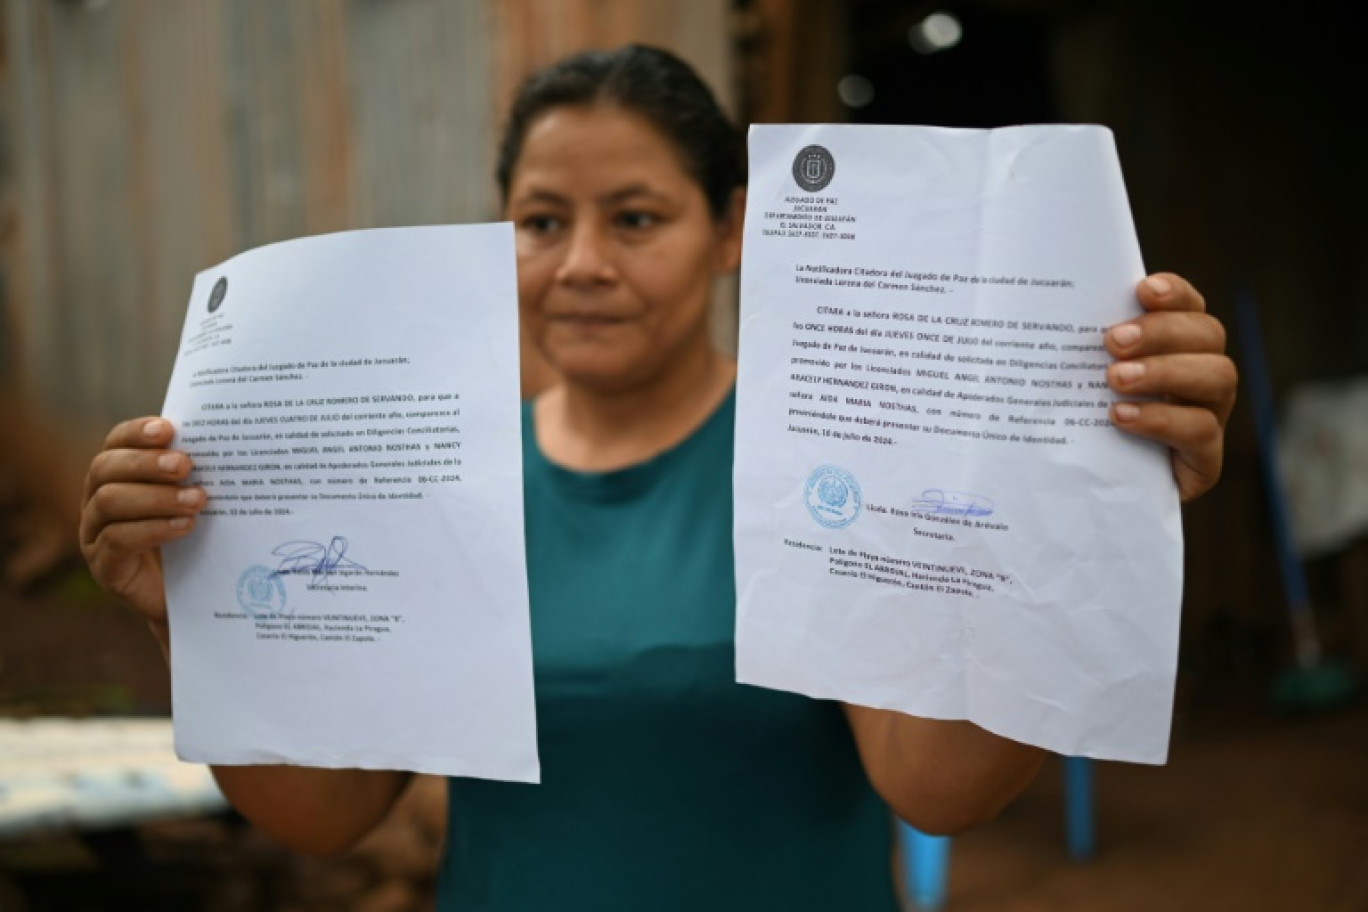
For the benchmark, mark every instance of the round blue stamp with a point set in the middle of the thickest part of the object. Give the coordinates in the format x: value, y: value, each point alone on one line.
x: 833, y: 497
x: 261, y: 591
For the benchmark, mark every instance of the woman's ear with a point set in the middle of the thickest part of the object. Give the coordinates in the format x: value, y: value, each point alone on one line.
x: 730, y: 228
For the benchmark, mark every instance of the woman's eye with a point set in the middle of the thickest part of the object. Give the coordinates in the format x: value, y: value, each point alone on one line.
x: 636, y: 221
x: 540, y: 224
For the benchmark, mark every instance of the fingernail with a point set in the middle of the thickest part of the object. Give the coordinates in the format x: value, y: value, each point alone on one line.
x: 168, y: 462
x: 1126, y: 335
x: 188, y: 496
x: 1130, y: 371
x: 1126, y: 411
x: 1160, y: 287
x: 180, y: 522
x: 153, y: 428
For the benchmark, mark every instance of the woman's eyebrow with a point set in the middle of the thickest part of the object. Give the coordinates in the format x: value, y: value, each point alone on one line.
x: 631, y: 190
x: 540, y: 196
x: 618, y: 195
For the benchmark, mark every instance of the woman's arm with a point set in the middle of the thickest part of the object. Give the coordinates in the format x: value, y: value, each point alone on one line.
x: 941, y: 777
x: 945, y: 777
x: 310, y: 810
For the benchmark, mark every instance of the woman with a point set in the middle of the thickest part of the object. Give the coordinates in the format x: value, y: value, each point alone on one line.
x: 666, y: 784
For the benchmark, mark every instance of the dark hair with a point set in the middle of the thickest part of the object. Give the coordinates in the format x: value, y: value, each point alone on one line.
x: 651, y: 83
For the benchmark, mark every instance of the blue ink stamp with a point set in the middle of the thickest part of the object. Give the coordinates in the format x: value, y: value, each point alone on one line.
x: 260, y: 591
x: 833, y: 497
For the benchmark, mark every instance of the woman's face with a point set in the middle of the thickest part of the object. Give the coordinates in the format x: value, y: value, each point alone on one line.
x: 617, y: 248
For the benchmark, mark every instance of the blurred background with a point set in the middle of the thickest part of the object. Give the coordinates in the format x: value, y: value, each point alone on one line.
x: 143, y: 141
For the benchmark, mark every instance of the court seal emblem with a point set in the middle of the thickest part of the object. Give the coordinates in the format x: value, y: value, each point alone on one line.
x: 813, y: 168
x: 218, y: 294
x: 833, y: 497
x: 260, y: 591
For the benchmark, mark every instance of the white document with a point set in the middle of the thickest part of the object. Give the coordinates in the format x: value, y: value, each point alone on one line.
x: 933, y: 512
x: 355, y: 594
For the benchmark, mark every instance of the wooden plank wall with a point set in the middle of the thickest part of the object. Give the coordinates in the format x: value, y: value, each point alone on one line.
x: 149, y: 140
x: 535, y: 32
x: 794, y: 52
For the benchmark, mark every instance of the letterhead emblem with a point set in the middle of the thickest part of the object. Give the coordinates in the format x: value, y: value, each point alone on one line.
x: 813, y: 168
x: 218, y: 294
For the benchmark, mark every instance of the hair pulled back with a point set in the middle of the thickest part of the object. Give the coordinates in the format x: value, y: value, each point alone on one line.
x: 651, y: 83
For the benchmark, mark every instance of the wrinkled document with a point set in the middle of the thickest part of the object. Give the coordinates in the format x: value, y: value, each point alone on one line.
x: 355, y: 593
x: 934, y: 513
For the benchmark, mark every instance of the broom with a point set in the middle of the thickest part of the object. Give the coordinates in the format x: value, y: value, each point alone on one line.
x: 1315, y: 682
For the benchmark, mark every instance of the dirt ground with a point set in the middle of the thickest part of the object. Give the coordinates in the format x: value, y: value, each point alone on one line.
x: 1252, y: 812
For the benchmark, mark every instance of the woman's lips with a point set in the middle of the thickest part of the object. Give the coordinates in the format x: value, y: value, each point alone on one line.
x: 588, y: 321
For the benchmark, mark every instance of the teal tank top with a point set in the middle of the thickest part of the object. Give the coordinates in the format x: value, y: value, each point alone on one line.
x: 665, y: 785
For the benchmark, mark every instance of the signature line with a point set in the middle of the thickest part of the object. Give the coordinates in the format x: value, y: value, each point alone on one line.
x: 951, y: 503
x: 314, y: 558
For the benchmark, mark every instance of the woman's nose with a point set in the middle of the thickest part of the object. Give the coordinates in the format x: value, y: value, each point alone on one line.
x: 586, y: 256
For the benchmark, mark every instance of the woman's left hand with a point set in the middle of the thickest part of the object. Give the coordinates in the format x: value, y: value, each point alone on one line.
x: 1174, y: 355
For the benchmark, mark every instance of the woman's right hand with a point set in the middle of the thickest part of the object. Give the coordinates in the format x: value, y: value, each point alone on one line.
x: 135, y: 502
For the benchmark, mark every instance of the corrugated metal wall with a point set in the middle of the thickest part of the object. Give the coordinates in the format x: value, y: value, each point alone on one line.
x: 150, y: 139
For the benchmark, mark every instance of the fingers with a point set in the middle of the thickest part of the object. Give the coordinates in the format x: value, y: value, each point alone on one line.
x: 135, y: 451
x: 1205, y: 380
x: 1174, y: 351
x: 1166, y: 332
x: 1169, y: 291
x: 124, y: 503
x: 1194, y: 433
x: 140, y: 433
x: 166, y: 467
x: 1174, y: 355
x: 116, y: 542
x: 133, y: 493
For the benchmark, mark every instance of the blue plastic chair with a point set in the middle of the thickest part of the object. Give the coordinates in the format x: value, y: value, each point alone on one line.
x: 926, y: 864
x: 926, y: 859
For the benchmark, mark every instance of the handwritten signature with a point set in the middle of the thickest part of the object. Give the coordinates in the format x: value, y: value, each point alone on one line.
x: 316, y: 559
x: 951, y: 503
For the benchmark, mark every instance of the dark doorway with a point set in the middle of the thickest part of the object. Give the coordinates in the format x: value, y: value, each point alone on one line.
x: 955, y: 65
